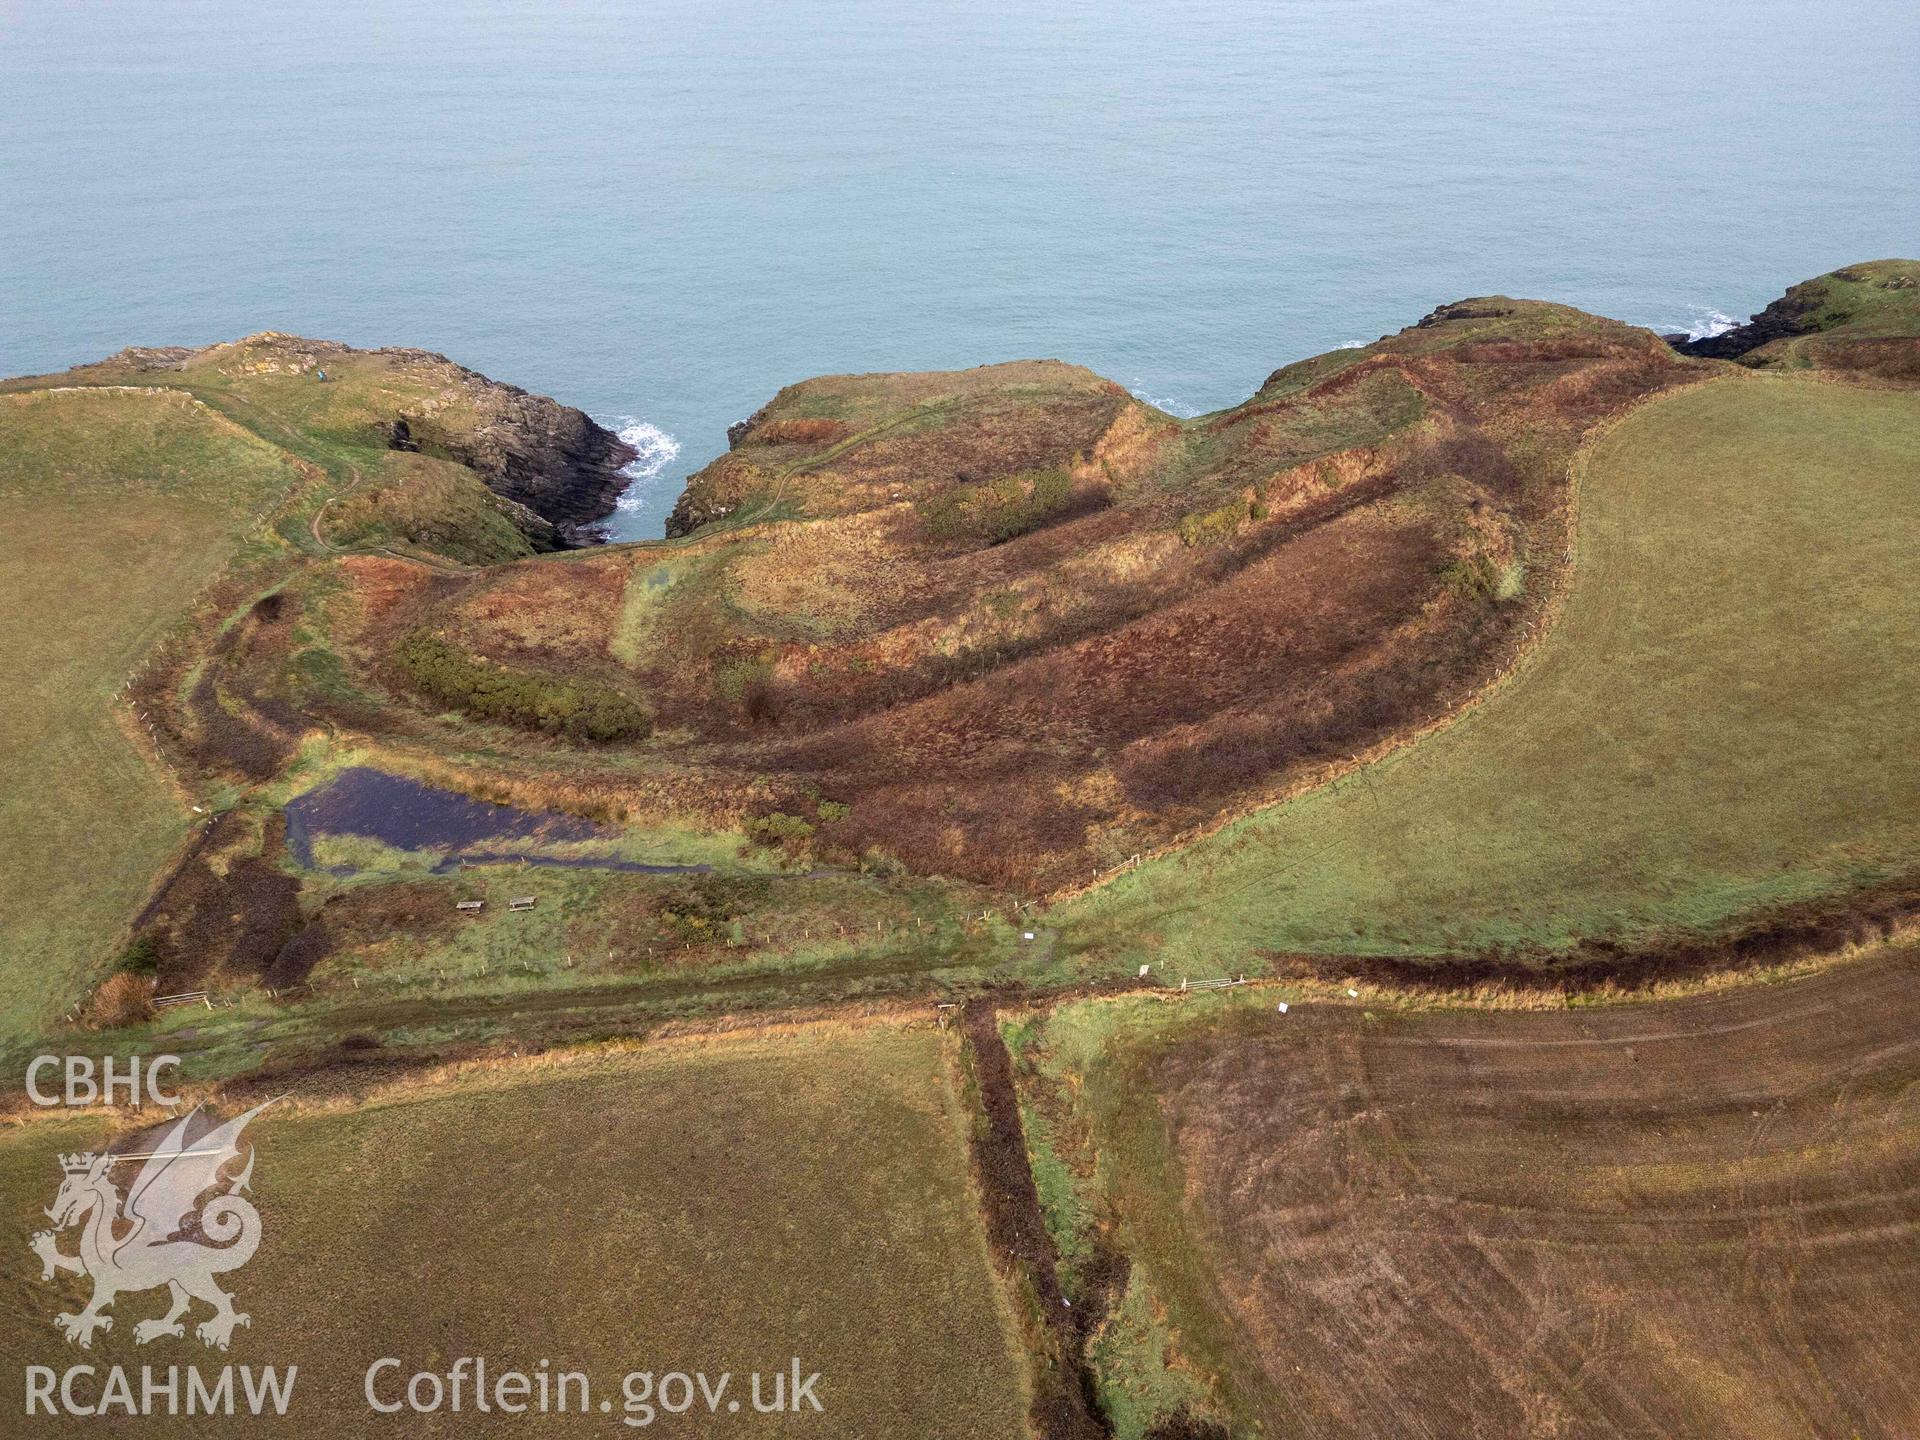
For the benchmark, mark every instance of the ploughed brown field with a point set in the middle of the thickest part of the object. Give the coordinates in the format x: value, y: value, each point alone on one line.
x: 1698, y: 1217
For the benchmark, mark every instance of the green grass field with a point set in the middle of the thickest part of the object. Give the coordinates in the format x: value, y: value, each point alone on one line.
x: 1726, y: 715
x: 720, y: 1204
x: 117, y: 506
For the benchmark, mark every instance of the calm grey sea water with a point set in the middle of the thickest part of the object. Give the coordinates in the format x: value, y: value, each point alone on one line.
x: 662, y: 212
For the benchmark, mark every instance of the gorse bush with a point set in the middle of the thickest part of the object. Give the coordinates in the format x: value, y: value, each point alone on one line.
x: 791, y: 835
x: 995, y: 511
x: 1472, y: 577
x: 696, y: 915
x: 141, y: 957
x: 734, y: 677
x: 577, y: 709
x: 780, y: 828
x: 1209, y: 527
x: 701, y: 909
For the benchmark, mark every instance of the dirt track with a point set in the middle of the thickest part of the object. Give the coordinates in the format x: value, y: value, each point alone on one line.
x: 1698, y: 1217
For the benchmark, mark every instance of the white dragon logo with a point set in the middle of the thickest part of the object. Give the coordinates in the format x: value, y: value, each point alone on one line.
x: 164, y: 1235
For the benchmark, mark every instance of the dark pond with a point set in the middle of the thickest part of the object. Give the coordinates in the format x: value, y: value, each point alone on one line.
x: 408, y: 815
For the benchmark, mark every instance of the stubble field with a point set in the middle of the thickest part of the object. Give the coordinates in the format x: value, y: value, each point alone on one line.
x: 1695, y: 1217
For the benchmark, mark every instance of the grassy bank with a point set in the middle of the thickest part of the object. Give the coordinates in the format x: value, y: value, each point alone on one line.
x: 117, y: 505
x: 1727, y: 715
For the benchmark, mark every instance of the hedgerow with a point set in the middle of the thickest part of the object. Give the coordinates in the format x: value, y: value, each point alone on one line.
x: 577, y: 709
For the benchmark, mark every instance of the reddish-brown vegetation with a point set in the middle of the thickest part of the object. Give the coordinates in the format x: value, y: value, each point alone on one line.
x: 1018, y: 623
x: 120, y: 999
x: 1894, y: 359
x: 228, y: 908
x: 798, y: 431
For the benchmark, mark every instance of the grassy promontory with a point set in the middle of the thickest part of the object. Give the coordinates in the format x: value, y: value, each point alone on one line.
x: 961, y: 641
x: 1510, y: 646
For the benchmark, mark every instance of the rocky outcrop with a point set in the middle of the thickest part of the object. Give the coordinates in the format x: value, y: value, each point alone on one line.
x: 1794, y: 313
x: 549, y: 458
x: 1872, y: 304
x: 737, y: 431
x: 1489, y: 308
x: 716, y: 492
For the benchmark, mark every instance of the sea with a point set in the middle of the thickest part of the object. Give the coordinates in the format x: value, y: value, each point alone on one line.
x: 663, y: 212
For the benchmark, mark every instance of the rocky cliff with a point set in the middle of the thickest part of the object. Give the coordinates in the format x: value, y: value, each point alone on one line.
x: 1875, y: 304
x: 548, y: 457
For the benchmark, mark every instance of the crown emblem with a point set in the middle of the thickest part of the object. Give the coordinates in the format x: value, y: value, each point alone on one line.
x: 78, y: 1163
